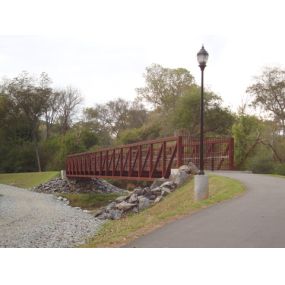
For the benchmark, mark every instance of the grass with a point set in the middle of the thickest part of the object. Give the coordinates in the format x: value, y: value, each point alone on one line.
x: 176, y: 205
x: 27, y: 180
x: 89, y: 201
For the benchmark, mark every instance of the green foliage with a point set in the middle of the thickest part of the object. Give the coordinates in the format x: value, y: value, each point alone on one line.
x: 164, y: 85
x: 146, y: 132
x: 17, y: 157
x: 115, y: 116
x: 262, y: 165
x: 186, y: 115
x: 247, y: 134
x: 55, y: 150
x: 279, y: 169
x: 268, y: 92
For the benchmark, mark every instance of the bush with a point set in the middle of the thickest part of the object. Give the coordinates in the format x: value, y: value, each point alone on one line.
x: 279, y: 169
x: 262, y: 165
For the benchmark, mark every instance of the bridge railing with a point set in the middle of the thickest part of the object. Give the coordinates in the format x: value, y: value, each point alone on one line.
x: 149, y: 160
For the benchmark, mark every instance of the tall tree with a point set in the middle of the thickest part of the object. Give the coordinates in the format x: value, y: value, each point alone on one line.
x: 247, y: 132
x: 268, y: 92
x: 69, y: 100
x: 186, y: 115
x: 51, y: 111
x: 28, y: 96
x: 116, y: 116
x: 164, y: 85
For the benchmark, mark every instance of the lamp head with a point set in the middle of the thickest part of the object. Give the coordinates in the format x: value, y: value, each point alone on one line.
x: 202, y: 57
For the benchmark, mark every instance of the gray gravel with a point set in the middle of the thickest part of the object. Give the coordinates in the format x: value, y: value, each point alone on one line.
x: 29, y: 219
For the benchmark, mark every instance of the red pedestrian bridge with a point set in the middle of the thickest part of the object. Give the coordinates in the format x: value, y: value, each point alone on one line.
x: 149, y: 160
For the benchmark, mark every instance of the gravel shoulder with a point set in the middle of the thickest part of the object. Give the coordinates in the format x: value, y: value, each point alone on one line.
x: 29, y: 219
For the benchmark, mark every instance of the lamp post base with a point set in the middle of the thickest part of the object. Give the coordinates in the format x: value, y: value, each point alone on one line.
x: 201, y: 187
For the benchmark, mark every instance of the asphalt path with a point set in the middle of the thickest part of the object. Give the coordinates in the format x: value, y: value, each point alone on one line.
x: 253, y: 220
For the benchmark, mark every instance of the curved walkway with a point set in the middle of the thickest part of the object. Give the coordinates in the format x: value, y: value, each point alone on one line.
x: 30, y: 219
x: 256, y: 219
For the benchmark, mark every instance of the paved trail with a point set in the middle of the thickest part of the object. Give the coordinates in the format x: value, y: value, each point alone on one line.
x: 29, y: 219
x: 256, y: 219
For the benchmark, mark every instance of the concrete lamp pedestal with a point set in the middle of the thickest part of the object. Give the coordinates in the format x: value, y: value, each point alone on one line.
x: 201, y: 187
x: 63, y: 174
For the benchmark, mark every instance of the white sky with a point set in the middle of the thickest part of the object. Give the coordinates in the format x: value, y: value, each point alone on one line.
x: 103, y: 47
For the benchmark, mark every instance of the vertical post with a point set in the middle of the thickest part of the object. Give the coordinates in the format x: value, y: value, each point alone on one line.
x: 67, y: 166
x: 100, y: 164
x: 202, y: 124
x: 121, y: 161
x: 130, y: 162
x: 231, y: 154
x: 140, y: 161
x: 106, y: 163
x: 74, y: 168
x: 164, y: 159
x: 113, y: 162
x: 87, y: 164
x: 151, y: 159
x: 179, y: 151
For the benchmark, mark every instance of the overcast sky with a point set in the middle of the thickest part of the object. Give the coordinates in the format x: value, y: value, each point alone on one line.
x: 103, y: 47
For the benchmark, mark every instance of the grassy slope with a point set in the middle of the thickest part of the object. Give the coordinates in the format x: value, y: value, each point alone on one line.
x: 174, y: 206
x: 27, y: 180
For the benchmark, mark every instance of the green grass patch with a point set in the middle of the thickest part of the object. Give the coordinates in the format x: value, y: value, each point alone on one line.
x: 174, y: 206
x: 27, y: 180
x: 89, y: 201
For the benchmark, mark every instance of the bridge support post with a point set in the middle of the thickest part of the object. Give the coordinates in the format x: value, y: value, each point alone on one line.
x: 201, y: 187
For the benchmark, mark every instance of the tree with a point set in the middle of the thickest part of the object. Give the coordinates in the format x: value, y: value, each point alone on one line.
x: 247, y: 132
x: 164, y: 85
x: 269, y: 93
x: 51, y: 112
x: 28, y: 97
x: 186, y: 115
x: 69, y: 99
x: 116, y: 116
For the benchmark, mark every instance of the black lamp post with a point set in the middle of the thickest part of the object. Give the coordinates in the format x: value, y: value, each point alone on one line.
x: 202, y: 57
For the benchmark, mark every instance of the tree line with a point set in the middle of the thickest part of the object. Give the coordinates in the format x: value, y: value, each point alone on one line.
x: 41, y: 125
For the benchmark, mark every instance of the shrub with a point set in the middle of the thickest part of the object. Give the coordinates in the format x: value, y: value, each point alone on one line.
x: 262, y: 165
x: 279, y: 169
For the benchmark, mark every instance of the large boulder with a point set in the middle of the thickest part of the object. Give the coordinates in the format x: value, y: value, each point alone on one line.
x: 165, y: 191
x: 169, y: 184
x: 133, y: 198
x: 180, y: 177
x: 193, y: 168
x: 156, y: 191
x: 125, y: 206
x: 157, y: 199
x: 139, y: 191
x: 158, y: 182
x: 115, y: 214
x: 111, y: 206
x: 143, y: 202
x: 121, y: 199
